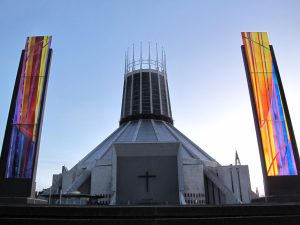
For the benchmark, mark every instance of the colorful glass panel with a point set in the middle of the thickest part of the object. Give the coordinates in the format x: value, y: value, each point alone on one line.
x: 274, y: 131
x: 28, y: 107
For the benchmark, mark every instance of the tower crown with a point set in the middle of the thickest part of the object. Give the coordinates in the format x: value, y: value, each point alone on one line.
x: 145, y: 91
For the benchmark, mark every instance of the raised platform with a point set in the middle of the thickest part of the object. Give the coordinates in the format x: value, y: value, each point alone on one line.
x: 146, y: 215
x: 21, y: 201
x: 281, y: 199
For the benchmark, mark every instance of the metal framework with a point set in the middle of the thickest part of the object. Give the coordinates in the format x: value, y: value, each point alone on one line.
x: 145, y: 86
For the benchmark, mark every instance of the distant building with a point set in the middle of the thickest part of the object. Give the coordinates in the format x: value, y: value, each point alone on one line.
x: 146, y: 160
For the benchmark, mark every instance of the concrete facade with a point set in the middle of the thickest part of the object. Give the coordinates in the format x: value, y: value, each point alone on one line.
x: 201, y: 180
x: 147, y: 173
x: 147, y: 160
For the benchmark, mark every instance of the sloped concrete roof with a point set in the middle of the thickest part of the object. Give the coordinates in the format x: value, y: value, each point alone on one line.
x: 138, y: 131
x: 145, y: 131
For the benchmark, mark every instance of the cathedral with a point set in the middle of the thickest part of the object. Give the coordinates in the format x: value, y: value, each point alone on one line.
x: 146, y: 160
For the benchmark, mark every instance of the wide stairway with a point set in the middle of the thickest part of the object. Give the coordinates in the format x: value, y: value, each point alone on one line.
x: 286, y: 214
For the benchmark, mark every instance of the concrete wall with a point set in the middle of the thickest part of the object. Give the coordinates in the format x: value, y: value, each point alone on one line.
x: 67, y: 180
x: 193, y: 177
x: 237, y: 179
x: 56, y: 178
x: 159, y: 160
x: 101, y: 178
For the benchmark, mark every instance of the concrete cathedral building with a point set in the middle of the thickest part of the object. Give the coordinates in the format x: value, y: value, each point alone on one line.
x: 146, y: 160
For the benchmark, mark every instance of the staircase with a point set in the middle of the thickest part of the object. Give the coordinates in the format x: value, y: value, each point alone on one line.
x: 152, y: 215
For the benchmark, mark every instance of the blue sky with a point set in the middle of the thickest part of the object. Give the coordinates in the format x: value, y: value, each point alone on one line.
x: 208, y: 88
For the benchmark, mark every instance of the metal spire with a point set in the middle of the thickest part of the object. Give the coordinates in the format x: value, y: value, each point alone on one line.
x: 133, y: 57
x: 165, y: 62
x: 149, y: 57
x: 156, y: 63
x: 162, y: 60
x: 141, y: 55
x: 125, y: 63
x: 156, y: 57
x: 237, y: 159
x: 128, y: 66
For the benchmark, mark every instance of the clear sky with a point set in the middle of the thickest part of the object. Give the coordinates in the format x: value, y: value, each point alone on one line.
x: 207, y: 82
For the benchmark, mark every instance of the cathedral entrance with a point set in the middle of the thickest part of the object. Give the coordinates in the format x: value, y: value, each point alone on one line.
x: 147, y: 174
